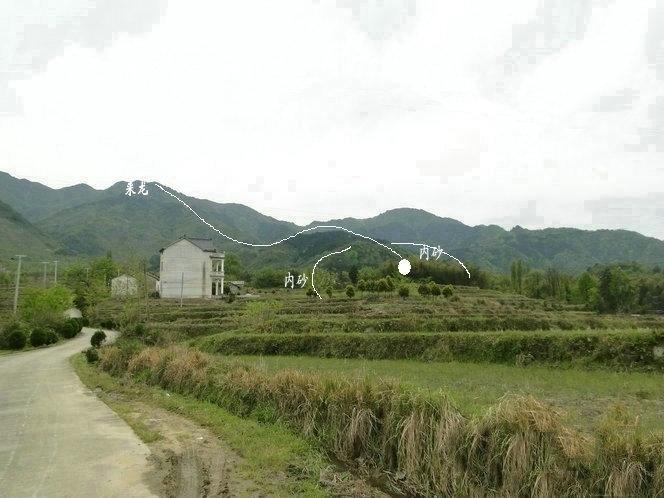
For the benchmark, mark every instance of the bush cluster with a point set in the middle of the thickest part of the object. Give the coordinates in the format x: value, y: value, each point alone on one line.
x: 14, y: 336
x: 617, y: 350
x: 42, y: 336
x: 70, y: 328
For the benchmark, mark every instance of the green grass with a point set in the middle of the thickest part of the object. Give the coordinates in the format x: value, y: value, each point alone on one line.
x: 584, y: 395
x: 279, y: 462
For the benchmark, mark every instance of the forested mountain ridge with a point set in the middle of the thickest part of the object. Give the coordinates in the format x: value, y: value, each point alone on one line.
x: 18, y: 236
x: 83, y: 221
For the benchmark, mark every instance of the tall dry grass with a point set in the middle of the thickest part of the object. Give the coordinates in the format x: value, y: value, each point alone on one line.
x: 418, y: 440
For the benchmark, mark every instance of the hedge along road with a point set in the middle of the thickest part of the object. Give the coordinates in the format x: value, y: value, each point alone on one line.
x: 56, y: 437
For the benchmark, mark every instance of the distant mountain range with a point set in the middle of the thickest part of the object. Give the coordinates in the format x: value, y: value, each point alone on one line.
x: 79, y: 220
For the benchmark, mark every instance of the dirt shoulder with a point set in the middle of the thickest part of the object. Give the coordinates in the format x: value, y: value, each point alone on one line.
x: 188, y: 459
x: 199, y: 449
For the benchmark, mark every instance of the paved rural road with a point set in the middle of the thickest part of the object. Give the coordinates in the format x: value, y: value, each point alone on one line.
x: 56, y: 437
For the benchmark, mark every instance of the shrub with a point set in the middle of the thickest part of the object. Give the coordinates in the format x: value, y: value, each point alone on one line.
x: 618, y: 350
x: 92, y: 355
x: 38, y: 337
x: 15, y: 339
x: 423, y: 289
x: 311, y: 292
x: 328, y: 291
x: 108, y: 323
x: 69, y: 328
x: 230, y: 297
x: 51, y: 337
x: 448, y: 291
x: 97, y: 338
x: 434, y: 290
x: 404, y: 292
x: 382, y: 285
x: 350, y: 291
x: 8, y: 329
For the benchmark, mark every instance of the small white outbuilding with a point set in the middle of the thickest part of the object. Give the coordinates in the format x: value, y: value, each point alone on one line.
x: 124, y: 286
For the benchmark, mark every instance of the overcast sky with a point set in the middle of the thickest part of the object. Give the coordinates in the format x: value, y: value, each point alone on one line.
x: 530, y: 112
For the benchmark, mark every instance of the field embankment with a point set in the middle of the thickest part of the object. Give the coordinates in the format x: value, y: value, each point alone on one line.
x: 417, y: 440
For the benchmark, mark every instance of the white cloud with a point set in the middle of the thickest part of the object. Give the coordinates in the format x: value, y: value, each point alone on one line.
x: 312, y: 110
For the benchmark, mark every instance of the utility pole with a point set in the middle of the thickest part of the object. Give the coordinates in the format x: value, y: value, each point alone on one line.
x: 181, y: 288
x: 18, y: 280
x: 145, y: 278
x: 55, y: 278
x: 45, y: 263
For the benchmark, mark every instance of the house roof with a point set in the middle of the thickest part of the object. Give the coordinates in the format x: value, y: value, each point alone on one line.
x: 203, y: 244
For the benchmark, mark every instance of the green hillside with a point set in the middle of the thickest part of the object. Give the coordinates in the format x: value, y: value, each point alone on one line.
x: 141, y: 225
x: 84, y: 221
x: 36, y: 201
x: 494, y: 247
x: 18, y: 236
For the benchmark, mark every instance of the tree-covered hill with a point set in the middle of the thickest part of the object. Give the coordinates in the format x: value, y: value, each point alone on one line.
x: 18, y: 236
x: 85, y: 221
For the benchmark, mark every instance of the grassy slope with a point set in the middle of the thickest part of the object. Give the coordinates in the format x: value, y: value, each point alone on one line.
x: 585, y: 395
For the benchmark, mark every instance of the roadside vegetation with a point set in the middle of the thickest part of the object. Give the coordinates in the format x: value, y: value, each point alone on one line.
x: 41, y: 321
x: 418, y: 441
x: 274, y: 461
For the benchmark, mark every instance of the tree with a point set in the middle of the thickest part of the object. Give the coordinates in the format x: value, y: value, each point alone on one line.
x: 233, y: 267
x: 404, y: 292
x: 104, y: 269
x: 448, y: 291
x: 361, y: 285
x: 434, y: 290
x: 584, y: 287
x: 353, y: 274
x: 268, y: 277
x: 383, y: 286
x: 533, y: 285
x: 553, y: 283
x: 516, y: 274
x: 615, y: 291
x: 390, y: 284
x: 45, y: 306
x: 328, y: 291
x: 350, y: 291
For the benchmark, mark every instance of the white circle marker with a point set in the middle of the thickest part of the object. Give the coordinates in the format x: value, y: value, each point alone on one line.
x: 404, y: 267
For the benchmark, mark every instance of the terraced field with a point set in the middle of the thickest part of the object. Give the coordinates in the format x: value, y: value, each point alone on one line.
x: 481, y: 361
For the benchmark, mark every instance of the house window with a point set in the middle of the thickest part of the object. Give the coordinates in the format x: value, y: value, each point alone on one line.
x: 214, y: 288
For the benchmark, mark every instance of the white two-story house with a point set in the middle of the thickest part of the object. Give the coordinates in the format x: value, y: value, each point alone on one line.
x: 191, y: 268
